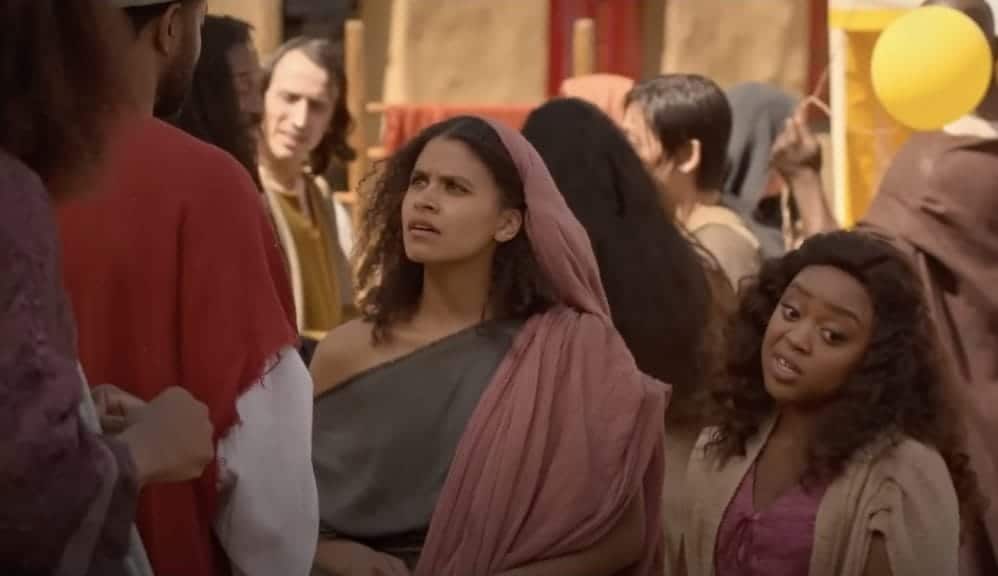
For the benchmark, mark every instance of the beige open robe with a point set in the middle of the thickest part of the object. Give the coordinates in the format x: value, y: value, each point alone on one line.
x: 903, y: 492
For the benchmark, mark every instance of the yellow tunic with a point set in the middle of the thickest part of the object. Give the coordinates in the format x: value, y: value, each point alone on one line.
x: 308, y: 233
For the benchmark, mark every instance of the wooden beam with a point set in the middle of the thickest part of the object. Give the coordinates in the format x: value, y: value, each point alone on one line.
x: 354, y: 67
x: 583, y: 47
x: 353, y: 50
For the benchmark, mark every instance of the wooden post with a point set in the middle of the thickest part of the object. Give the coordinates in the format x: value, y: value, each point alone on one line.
x: 583, y: 47
x: 353, y: 51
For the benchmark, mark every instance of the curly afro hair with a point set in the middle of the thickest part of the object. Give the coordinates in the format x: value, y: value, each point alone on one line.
x: 898, y: 390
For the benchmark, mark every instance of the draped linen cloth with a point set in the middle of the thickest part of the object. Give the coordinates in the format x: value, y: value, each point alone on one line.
x: 568, y: 433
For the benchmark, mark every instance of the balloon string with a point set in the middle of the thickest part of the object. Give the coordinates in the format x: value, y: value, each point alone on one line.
x: 813, y: 99
x: 881, y: 153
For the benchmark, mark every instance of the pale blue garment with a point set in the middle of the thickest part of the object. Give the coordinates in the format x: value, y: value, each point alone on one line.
x: 136, y: 562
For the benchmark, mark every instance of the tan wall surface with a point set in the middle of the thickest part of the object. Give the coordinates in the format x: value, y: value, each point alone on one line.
x: 467, y: 51
x: 266, y: 16
x: 735, y: 41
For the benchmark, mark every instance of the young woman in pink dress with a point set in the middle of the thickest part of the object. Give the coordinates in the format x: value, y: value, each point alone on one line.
x: 838, y: 453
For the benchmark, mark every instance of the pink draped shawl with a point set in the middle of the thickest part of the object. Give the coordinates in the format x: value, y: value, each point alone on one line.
x: 568, y: 432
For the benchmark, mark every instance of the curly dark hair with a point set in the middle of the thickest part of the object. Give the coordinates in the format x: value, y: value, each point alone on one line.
x: 59, y: 81
x: 645, y: 261
x: 898, y: 390
x: 390, y: 284
x: 326, y: 55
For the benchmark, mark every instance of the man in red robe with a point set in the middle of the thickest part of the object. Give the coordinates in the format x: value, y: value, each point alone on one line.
x: 176, y: 279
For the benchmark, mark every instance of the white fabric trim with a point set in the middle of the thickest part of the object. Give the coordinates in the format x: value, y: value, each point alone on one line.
x: 268, y: 522
x: 972, y: 125
x: 344, y: 228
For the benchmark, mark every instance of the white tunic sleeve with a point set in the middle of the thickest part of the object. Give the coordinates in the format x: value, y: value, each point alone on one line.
x: 344, y: 228
x: 268, y: 519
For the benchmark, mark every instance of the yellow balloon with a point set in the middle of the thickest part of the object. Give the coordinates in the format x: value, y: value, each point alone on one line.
x: 931, y: 66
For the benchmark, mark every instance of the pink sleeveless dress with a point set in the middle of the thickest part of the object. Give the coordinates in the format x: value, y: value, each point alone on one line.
x: 776, y: 541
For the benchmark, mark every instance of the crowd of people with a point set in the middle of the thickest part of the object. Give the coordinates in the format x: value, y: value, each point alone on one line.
x: 627, y: 339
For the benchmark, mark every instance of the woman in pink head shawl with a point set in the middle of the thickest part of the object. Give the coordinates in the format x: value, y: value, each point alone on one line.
x: 483, y: 416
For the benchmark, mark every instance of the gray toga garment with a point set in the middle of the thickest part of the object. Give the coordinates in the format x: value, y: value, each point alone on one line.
x: 383, y: 441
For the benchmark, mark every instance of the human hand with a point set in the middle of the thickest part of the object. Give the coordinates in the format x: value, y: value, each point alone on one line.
x: 346, y: 558
x: 171, y: 438
x: 116, y: 408
x: 796, y: 148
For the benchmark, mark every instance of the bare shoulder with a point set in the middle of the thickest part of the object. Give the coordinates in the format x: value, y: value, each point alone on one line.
x: 345, y: 352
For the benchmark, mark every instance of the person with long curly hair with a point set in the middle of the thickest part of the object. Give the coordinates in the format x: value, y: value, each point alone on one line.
x: 304, y: 131
x: 837, y: 451
x: 483, y: 416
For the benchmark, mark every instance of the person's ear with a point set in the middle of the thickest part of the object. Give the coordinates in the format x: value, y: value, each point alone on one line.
x: 510, y: 224
x: 168, y: 33
x: 688, y: 157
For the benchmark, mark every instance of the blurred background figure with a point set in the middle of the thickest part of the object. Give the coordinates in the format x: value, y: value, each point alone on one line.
x: 680, y: 125
x: 938, y: 202
x: 304, y: 131
x: 773, y: 150
x: 225, y: 105
x: 660, y: 297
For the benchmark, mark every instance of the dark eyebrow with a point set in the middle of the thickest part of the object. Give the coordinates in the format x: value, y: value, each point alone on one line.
x: 445, y: 177
x: 854, y: 316
x: 457, y: 180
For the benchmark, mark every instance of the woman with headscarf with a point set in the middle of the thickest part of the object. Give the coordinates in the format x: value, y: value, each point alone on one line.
x: 483, y: 416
